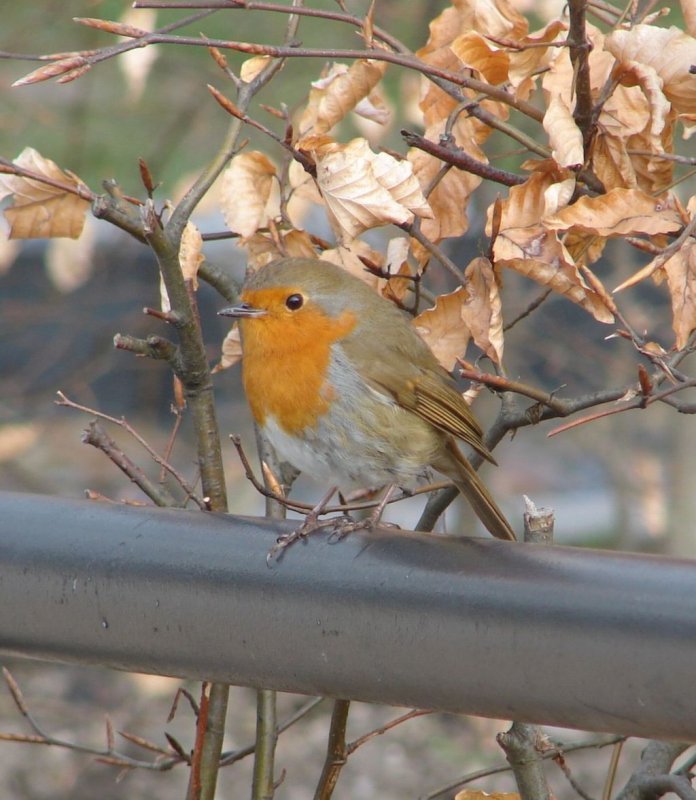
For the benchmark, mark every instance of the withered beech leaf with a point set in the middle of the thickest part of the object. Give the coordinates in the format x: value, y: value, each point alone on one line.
x: 245, y: 192
x: 482, y: 310
x: 476, y: 53
x: 397, y: 263
x: 564, y: 135
x: 525, y: 63
x: 681, y: 280
x: 348, y: 257
x: 527, y: 246
x: 191, y: 253
x: 40, y: 210
x: 231, y: 352
x: 669, y: 51
x: 262, y: 248
x: 619, y: 212
x: 339, y: 92
x: 443, y: 327
x: 363, y: 189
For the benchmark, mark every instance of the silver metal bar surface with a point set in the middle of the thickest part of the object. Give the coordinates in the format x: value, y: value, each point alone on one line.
x: 555, y: 635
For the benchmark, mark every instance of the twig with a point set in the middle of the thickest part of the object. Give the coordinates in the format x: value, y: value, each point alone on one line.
x: 527, y: 311
x: 166, y: 760
x: 123, y: 423
x: 263, y: 784
x: 639, y: 402
x: 412, y: 229
x: 336, y: 752
x: 10, y: 168
x: 579, y: 49
x: 551, y: 753
x: 565, y: 769
x: 452, y: 154
x: 501, y: 384
x: 251, y: 5
x: 236, y: 755
x: 99, y: 438
x: 361, y: 740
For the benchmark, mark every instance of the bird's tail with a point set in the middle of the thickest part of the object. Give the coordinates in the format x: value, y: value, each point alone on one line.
x: 465, y: 478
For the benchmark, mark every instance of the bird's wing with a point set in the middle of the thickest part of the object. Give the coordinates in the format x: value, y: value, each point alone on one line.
x: 420, y: 385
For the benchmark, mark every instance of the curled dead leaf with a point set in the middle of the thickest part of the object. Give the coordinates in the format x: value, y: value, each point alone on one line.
x: 337, y: 93
x: 443, y: 327
x: 564, y: 135
x: 42, y: 210
x: 617, y: 213
x: 245, y: 192
x: 363, y: 189
x: 669, y: 51
x: 475, y: 52
x: 263, y: 248
x: 231, y: 352
x: 482, y: 311
x: 191, y: 253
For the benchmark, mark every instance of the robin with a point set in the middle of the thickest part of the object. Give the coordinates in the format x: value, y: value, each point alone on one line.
x: 345, y: 388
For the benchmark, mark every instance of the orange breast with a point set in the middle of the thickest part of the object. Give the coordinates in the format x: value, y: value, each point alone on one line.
x: 286, y: 357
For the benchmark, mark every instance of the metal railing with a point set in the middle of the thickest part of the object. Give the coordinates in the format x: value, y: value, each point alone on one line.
x: 555, y: 635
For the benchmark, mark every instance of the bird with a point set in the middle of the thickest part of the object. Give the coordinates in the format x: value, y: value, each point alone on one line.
x: 345, y: 388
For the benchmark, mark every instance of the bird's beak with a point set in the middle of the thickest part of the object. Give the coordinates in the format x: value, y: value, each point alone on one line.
x: 242, y: 311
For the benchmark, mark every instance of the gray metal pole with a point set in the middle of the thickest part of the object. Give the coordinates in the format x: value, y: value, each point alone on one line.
x: 556, y: 635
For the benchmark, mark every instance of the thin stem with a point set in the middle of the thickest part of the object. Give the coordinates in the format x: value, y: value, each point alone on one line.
x: 336, y: 752
x: 263, y: 784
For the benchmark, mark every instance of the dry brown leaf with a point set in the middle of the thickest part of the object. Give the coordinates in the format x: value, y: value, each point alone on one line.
x: 231, y: 351
x: 565, y: 137
x: 362, y: 189
x: 633, y: 73
x: 397, y: 264
x: 336, y: 94
x: 443, y: 328
x: 482, y: 311
x: 38, y: 210
x: 253, y: 67
x: 616, y: 213
x: 191, y: 253
x: 559, y: 80
x: 245, y: 192
x: 347, y: 256
x: 654, y: 175
x: 527, y: 246
x: 681, y: 280
x: 524, y: 63
x: 611, y: 162
x: 374, y: 108
x: 669, y: 51
x: 263, y: 248
x: 476, y: 53
x: 487, y: 17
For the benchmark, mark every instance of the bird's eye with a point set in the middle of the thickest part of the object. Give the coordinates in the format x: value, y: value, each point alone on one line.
x: 294, y: 301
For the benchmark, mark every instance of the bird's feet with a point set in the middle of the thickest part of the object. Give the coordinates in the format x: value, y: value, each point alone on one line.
x: 341, y: 526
